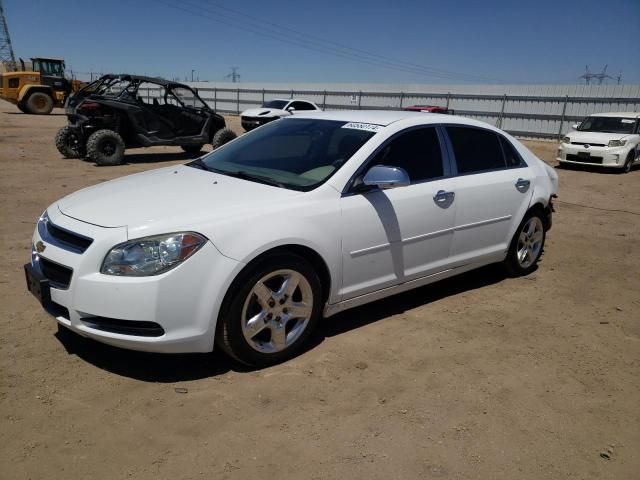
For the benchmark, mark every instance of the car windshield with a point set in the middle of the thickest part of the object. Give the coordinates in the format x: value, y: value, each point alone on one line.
x: 278, y: 104
x: 607, y: 125
x: 297, y: 154
x: 187, y: 97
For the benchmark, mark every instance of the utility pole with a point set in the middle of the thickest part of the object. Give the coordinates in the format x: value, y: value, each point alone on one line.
x: 6, y: 49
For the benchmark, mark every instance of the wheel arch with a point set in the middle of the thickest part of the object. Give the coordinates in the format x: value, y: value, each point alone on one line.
x: 28, y: 90
x: 309, y: 254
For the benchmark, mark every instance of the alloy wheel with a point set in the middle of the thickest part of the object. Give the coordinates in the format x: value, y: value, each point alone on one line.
x: 530, y: 242
x: 277, y: 311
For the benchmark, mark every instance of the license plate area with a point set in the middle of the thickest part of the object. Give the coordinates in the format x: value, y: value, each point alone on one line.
x: 38, y: 285
x: 584, y: 154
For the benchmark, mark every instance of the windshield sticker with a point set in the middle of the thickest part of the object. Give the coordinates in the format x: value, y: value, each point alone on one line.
x: 369, y: 127
x: 627, y: 120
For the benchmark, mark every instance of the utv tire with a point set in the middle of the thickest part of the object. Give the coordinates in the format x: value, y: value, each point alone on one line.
x: 222, y: 136
x: 69, y: 143
x: 105, y: 147
x: 39, y: 103
x: 270, y: 311
x: 192, y: 149
x: 527, y: 245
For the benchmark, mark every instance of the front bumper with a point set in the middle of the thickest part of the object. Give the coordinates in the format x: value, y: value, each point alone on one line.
x: 596, y: 156
x: 249, y: 123
x: 175, y: 312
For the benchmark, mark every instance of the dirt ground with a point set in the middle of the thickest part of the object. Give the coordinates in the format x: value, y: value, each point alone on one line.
x: 476, y: 377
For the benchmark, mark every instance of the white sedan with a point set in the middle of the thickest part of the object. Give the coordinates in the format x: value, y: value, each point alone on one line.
x: 273, y: 110
x: 603, y: 139
x: 248, y: 247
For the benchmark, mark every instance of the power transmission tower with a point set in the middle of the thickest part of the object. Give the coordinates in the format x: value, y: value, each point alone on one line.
x: 595, y: 77
x: 6, y: 49
x: 234, y: 75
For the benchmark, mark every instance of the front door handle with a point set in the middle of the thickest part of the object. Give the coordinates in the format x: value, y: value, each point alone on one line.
x: 444, y: 199
x: 522, y: 185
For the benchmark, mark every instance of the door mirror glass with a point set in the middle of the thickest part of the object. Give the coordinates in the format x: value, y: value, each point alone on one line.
x: 384, y: 177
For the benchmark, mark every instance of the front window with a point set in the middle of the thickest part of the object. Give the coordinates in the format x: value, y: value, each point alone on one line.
x: 277, y: 104
x: 296, y: 154
x: 608, y: 125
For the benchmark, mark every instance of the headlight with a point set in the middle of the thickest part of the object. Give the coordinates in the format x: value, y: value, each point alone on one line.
x: 617, y: 143
x: 566, y: 140
x: 151, y: 255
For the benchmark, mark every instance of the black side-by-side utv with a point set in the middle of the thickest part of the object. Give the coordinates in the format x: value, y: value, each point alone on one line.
x: 129, y: 111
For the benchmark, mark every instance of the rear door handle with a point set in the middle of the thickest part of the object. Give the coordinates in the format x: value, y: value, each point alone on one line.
x: 444, y: 199
x: 522, y: 185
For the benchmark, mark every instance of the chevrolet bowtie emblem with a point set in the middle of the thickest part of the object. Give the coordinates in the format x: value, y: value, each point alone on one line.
x: 40, y: 247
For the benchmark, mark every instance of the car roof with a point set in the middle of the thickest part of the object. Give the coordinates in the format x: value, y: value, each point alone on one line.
x: 617, y: 114
x: 387, y: 117
x: 289, y: 100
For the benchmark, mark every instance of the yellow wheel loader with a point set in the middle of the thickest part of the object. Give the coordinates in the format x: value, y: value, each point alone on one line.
x: 40, y: 89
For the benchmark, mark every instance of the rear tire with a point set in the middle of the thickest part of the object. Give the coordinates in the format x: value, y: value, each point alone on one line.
x: 192, y: 149
x: 527, y: 245
x: 69, y: 143
x: 222, y: 136
x: 270, y: 311
x: 105, y: 147
x: 39, y: 103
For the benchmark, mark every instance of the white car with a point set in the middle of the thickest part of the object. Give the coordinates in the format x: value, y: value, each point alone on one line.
x: 603, y: 139
x: 273, y: 110
x: 250, y: 245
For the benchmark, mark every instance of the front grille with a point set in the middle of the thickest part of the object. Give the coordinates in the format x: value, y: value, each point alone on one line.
x: 578, y: 158
x: 58, y: 275
x: 125, y: 327
x: 249, y: 123
x: 589, y: 143
x: 73, y: 241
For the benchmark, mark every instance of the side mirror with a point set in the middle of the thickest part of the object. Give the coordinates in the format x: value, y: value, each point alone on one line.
x: 291, y: 109
x: 575, y: 126
x: 385, y: 177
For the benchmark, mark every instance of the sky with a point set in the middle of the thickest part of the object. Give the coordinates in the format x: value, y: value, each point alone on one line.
x: 373, y: 41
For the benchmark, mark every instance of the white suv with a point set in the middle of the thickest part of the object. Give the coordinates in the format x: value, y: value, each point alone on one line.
x: 603, y: 139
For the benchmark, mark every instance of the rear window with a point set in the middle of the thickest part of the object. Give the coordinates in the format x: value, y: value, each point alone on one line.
x: 511, y: 155
x: 476, y: 150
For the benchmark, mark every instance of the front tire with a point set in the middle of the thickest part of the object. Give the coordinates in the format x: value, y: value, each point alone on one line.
x: 527, y: 245
x: 222, y: 136
x: 105, y: 147
x: 39, y: 103
x: 69, y: 143
x: 271, y: 311
x: 626, y: 168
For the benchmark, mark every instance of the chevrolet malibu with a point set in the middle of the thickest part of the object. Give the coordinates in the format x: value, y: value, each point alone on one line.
x: 247, y: 248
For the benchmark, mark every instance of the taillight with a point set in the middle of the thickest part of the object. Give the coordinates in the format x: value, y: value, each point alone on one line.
x: 89, y: 106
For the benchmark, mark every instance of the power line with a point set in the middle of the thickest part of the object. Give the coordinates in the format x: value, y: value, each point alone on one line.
x: 375, y: 56
x: 185, y: 6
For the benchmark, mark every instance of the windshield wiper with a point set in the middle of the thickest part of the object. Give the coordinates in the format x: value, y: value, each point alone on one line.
x: 256, y: 178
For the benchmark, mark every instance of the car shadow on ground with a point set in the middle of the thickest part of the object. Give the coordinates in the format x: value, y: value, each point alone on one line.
x: 163, y: 368
x: 49, y: 114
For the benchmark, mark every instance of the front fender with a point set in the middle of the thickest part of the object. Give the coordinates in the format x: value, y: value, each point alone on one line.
x: 27, y: 89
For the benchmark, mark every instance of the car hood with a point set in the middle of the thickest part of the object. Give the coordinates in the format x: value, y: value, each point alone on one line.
x: 595, y: 137
x: 265, y: 112
x: 169, y: 198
